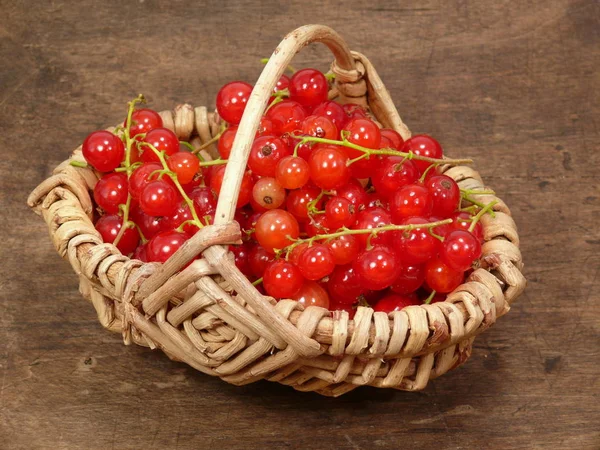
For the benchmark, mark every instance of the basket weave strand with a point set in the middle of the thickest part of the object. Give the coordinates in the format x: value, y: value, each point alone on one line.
x: 209, y: 315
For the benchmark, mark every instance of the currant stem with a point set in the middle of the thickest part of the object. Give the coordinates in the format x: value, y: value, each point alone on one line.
x: 479, y: 215
x: 257, y: 282
x: 129, y: 141
x: 427, y: 301
x: 173, y: 176
x: 211, y: 141
x: 386, y: 151
x: 75, y: 163
x: 214, y: 162
x: 371, y: 231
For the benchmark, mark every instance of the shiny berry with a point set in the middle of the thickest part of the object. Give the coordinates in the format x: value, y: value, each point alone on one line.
x: 232, y: 99
x: 308, y: 87
x: 344, y: 285
x: 144, y: 120
x: 265, y: 154
x: 442, y: 278
x: 109, y: 226
x: 282, y: 279
x: 377, y: 268
x: 344, y: 248
x: 445, y: 194
x: 111, y: 191
x: 226, y: 141
x: 372, y: 218
x: 316, y: 262
x: 460, y: 250
x: 423, y: 145
x: 185, y: 164
x: 259, y: 259
x: 393, y: 173
x: 287, y: 117
x: 103, y: 150
x: 312, y: 294
x: 410, y: 278
x: 333, y: 111
x: 416, y: 246
x: 340, y: 212
x: 298, y: 200
x: 328, y: 169
x: 163, y: 140
x: 159, y: 198
x: 409, y: 201
x: 276, y: 229
x: 393, y: 136
x: 319, y: 126
x: 292, y: 172
x: 163, y: 245
x: 268, y: 193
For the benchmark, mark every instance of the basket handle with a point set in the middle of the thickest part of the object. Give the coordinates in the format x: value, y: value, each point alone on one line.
x: 257, y: 104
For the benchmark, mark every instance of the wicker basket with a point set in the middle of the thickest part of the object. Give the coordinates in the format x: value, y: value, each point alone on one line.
x: 211, y: 317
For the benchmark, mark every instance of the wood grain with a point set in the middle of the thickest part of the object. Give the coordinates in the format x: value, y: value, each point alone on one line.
x: 514, y: 85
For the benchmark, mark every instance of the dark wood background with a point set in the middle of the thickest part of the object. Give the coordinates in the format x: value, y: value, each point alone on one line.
x: 514, y: 85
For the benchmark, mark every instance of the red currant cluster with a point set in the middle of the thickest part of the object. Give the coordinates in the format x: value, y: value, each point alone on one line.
x: 335, y: 211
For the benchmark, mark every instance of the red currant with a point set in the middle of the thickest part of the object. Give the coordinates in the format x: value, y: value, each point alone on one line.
x: 316, y: 262
x: 163, y: 140
x: 395, y: 302
x: 245, y: 193
x: 182, y: 214
x: 308, y: 87
x: 232, y: 99
x: 317, y: 224
x: 204, y: 199
x: 103, y: 150
x: 372, y: 218
x: 445, y: 194
x: 287, y: 116
x: 418, y: 245
x: 319, y: 126
x: 377, y: 268
x: 442, y: 278
x: 392, y: 173
x: 259, y: 259
x: 242, y: 261
x: 340, y: 212
x: 141, y: 177
x: 354, y: 192
x: 393, y: 136
x: 292, y: 172
x: 265, y: 154
x: 411, y: 200
x: 409, y: 279
x: 312, y: 294
x: 149, y: 225
x: 159, y: 198
x: 298, y: 200
x: 328, y: 169
x: 111, y: 191
x: 226, y: 141
x: 282, y: 279
x: 460, y: 250
x: 354, y: 111
x: 144, y: 120
x: 282, y: 83
x: 344, y: 285
x: 268, y: 193
x: 109, y: 226
x: 423, y: 145
x: 462, y: 221
x: 185, y: 165
x: 344, y: 248
x: 276, y: 229
x: 163, y: 245
x: 265, y: 127
x: 333, y: 111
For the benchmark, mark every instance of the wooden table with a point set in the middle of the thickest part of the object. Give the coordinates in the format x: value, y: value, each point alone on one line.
x: 515, y: 85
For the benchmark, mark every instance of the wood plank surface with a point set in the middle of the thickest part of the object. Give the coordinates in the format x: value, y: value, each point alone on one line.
x: 515, y: 85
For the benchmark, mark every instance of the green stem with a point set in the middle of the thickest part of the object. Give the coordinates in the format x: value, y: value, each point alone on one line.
x: 214, y: 162
x: 385, y: 151
x: 371, y: 231
x: 479, y: 215
x: 129, y: 141
x: 208, y: 143
x: 257, y: 282
x: 427, y: 301
x: 173, y: 176
x: 75, y: 163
